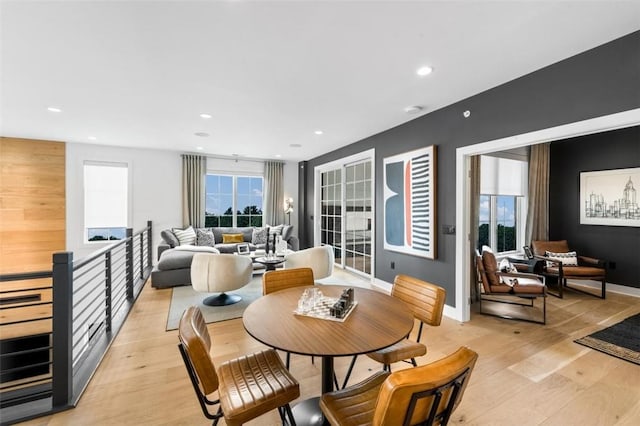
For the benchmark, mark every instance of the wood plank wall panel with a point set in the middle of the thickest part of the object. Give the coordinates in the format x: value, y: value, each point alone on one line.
x: 32, y: 203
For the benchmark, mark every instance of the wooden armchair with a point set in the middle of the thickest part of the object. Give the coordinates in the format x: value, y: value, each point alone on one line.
x: 501, y: 287
x: 584, y: 268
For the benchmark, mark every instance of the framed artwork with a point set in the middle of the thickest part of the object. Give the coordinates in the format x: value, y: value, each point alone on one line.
x: 610, y: 197
x: 410, y: 202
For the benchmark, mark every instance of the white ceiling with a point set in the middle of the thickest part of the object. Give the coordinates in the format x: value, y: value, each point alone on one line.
x: 139, y: 73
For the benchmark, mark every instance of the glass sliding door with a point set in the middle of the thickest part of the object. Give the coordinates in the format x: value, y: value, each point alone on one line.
x: 344, y: 211
x: 357, y: 217
x: 331, y: 211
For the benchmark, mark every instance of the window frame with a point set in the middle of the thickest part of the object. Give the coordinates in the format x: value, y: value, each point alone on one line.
x: 129, y: 197
x: 234, y: 195
x: 519, y: 217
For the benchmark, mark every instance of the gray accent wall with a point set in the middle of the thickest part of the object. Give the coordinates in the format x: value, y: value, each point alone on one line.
x: 619, y: 245
x: 598, y: 82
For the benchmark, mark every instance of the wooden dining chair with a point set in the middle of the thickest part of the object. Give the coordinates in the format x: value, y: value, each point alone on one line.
x: 426, y: 301
x: 283, y: 279
x: 247, y: 387
x: 425, y: 395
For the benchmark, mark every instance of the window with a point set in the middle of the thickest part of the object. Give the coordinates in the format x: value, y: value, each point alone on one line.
x: 233, y: 200
x: 502, y: 194
x: 106, y: 206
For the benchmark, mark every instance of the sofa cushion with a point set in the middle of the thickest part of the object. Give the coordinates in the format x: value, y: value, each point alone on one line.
x: 170, y: 238
x: 232, y: 238
x: 185, y: 236
x: 180, y: 257
x: 175, y: 259
x: 247, y: 233
x: 204, y: 237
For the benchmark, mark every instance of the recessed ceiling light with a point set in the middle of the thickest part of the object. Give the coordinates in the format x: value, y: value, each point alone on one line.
x: 202, y: 134
x: 295, y: 145
x: 278, y: 155
x: 54, y: 109
x: 414, y: 109
x: 426, y: 70
x: 92, y: 138
x: 318, y: 132
x: 199, y: 148
x: 203, y: 115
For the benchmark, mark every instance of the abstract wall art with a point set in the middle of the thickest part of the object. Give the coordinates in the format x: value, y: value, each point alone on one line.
x: 610, y: 197
x: 410, y: 202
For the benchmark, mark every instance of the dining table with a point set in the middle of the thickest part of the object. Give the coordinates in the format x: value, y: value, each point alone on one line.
x: 376, y: 322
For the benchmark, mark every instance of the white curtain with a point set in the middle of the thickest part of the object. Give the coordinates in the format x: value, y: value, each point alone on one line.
x: 194, y: 170
x: 274, y: 192
x: 537, y: 226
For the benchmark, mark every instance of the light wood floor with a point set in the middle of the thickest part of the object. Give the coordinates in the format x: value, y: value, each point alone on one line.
x: 527, y: 374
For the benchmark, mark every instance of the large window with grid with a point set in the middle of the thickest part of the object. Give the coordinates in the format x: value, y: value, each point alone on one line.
x: 233, y: 200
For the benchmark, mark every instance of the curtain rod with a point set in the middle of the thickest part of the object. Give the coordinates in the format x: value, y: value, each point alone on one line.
x: 236, y: 159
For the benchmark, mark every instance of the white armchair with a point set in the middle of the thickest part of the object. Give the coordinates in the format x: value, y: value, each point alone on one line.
x: 219, y: 273
x: 319, y: 259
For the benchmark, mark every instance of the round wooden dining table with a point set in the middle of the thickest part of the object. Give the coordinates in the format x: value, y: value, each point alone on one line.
x: 377, y: 321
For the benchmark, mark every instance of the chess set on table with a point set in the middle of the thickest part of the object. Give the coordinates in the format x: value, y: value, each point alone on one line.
x: 331, y: 308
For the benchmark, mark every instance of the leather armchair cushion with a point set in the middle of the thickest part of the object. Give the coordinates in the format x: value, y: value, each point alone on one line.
x: 491, y: 267
x: 539, y: 247
x: 577, y: 271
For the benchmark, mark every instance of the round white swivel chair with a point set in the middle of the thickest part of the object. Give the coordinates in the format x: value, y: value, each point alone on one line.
x: 320, y: 259
x: 219, y: 273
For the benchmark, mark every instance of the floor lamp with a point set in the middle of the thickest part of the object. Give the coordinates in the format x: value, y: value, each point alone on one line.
x: 288, y: 209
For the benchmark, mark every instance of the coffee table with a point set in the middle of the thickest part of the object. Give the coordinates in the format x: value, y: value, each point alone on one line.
x: 376, y: 322
x: 270, y: 264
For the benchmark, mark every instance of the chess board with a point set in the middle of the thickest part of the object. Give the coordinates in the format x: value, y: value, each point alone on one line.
x: 321, y: 310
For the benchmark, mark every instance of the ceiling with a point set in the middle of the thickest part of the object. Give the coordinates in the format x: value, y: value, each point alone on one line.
x: 139, y: 73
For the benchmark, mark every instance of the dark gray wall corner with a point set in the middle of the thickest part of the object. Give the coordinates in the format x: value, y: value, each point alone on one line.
x: 598, y: 82
x: 618, y: 149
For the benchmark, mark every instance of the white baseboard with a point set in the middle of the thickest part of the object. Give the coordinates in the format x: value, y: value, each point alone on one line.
x: 613, y: 288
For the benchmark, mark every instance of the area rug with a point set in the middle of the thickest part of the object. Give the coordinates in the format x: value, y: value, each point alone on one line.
x: 186, y: 296
x: 621, y: 340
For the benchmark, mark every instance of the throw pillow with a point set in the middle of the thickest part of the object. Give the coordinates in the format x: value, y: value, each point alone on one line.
x: 275, y: 230
x: 185, y: 236
x: 259, y: 236
x: 287, y: 230
x: 170, y: 238
x: 232, y: 238
x: 506, y: 266
x: 204, y: 237
x: 567, y: 259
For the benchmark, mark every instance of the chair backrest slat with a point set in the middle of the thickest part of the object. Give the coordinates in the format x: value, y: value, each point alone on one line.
x: 426, y: 300
x: 283, y: 279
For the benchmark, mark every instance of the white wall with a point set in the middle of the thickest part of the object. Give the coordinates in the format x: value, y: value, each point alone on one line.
x: 156, y: 188
x: 155, y: 191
